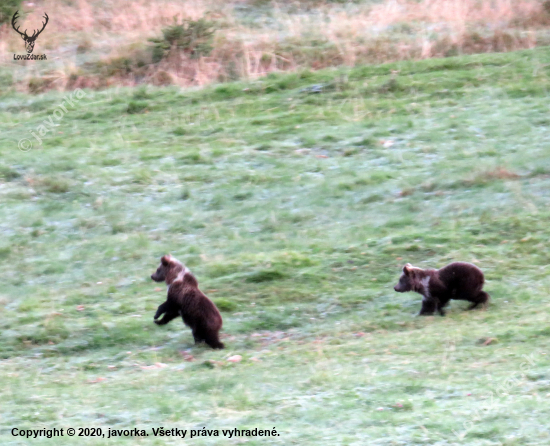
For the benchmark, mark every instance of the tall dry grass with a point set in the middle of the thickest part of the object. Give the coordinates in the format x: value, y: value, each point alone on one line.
x: 314, y: 37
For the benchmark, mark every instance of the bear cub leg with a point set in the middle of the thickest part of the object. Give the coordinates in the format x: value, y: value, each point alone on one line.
x: 481, y: 299
x: 170, y: 313
x: 201, y: 334
x: 213, y: 341
x: 440, y: 304
x: 198, y: 336
x: 161, y: 309
x: 430, y: 306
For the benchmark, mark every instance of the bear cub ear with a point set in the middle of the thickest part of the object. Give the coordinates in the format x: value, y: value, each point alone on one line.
x: 407, y: 269
x: 165, y: 260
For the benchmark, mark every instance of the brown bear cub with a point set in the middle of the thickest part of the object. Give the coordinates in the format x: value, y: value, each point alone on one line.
x: 458, y: 280
x: 185, y: 299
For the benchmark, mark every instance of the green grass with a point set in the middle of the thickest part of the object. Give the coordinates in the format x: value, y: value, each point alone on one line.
x: 296, y: 211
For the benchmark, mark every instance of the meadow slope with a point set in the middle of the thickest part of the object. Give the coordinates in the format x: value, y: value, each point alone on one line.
x: 100, y: 43
x: 295, y: 200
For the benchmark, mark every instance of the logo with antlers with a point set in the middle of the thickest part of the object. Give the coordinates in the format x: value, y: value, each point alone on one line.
x: 29, y: 40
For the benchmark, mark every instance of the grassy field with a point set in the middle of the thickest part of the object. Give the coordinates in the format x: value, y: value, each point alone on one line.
x: 295, y: 200
x: 100, y: 43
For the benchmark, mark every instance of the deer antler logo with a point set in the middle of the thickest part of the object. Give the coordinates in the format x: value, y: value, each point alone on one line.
x: 29, y: 40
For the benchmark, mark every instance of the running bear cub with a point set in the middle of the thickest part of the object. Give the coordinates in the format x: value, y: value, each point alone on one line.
x: 185, y: 299
x: 458, y: 280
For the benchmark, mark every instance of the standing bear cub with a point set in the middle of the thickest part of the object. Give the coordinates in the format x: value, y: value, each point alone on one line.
x: 185, y: 299
x: 458, y: 280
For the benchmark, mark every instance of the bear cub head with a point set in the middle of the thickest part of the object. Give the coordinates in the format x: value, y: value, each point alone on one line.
x: 408, y: 279
x: 168, y: 270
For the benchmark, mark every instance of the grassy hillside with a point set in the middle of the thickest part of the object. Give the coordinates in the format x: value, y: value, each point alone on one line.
x: 99, y: 43
x: 295, y: 200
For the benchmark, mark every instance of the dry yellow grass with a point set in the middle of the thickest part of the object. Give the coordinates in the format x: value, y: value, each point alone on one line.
x: 326, y: 35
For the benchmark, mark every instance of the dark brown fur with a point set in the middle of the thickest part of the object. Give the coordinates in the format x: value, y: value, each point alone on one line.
x: 458, y: 280
x: 185, y: 299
